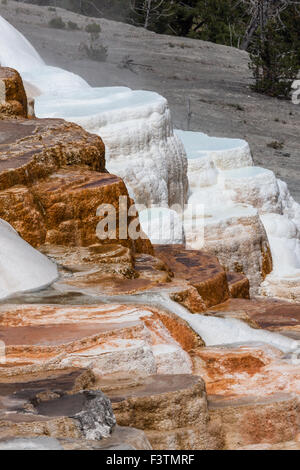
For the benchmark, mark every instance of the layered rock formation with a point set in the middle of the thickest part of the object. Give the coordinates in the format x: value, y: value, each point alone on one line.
x: 53, y: 179
x: 246, y: 209
x: 107, y: 339
x: 51, y: 405
x: 241, y: 202
x: 225, y: 202
x: 52, y: 182
x: 172, y: 411
x: 169, y: 334
x: 34, y: 270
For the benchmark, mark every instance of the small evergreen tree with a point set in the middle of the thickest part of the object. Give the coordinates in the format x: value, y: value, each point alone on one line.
x: 274, y: 63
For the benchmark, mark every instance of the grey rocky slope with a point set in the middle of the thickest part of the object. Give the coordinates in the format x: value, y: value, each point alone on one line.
x: 214, y: 78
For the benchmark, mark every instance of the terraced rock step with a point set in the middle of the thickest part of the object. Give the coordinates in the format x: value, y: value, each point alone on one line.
x: 42, y: 146
x: 272, y: 314
x: 68, y: 380
x: 239, y: 285
x: 255, y: 420
x: 172, y: 410
x: 59, y: 358
x: 106, y: 338
x: 69, y: 200
x: 55, y: 404
x: 204, y: 272
x: 62, y: 208
x: 53, y: 176
x: 107, y: 268
x: 201, y: 270
x: 256, y: 369
x: 113, y: 270
x: 60, y: 404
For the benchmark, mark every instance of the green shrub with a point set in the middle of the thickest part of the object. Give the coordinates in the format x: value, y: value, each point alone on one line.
x: 94, y: 51
x: 73, y: 26
x: 275, y: 145
x: 57, y: 23
x: 93, y: 28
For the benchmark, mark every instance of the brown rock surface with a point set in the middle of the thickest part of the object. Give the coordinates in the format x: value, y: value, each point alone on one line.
x: 105, y: 338
x: 172, y: 410
x: 240, y: 370
x: 13, y: 100
x: 52, y: 180
x: 251, y: 420
x: 53, y: 177
x: 209, y: 283
x: 54, y: 404
x: 272, y: 314
x: 289, y: 445
x: 62, y: 209
x: 93, y: 260
x: 103, y: 268
x: 35, y: 148
x: 68, y: 380
x: 112, y: 270
x: 121, y: 438
x: 239, y: 285
x: 201, y: 270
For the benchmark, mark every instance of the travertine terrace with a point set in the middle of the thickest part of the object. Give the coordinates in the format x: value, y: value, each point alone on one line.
x: 127, y: 343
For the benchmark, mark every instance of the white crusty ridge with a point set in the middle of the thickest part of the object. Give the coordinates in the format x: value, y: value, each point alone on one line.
x: 22, y: 267
x: 136, y: 128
